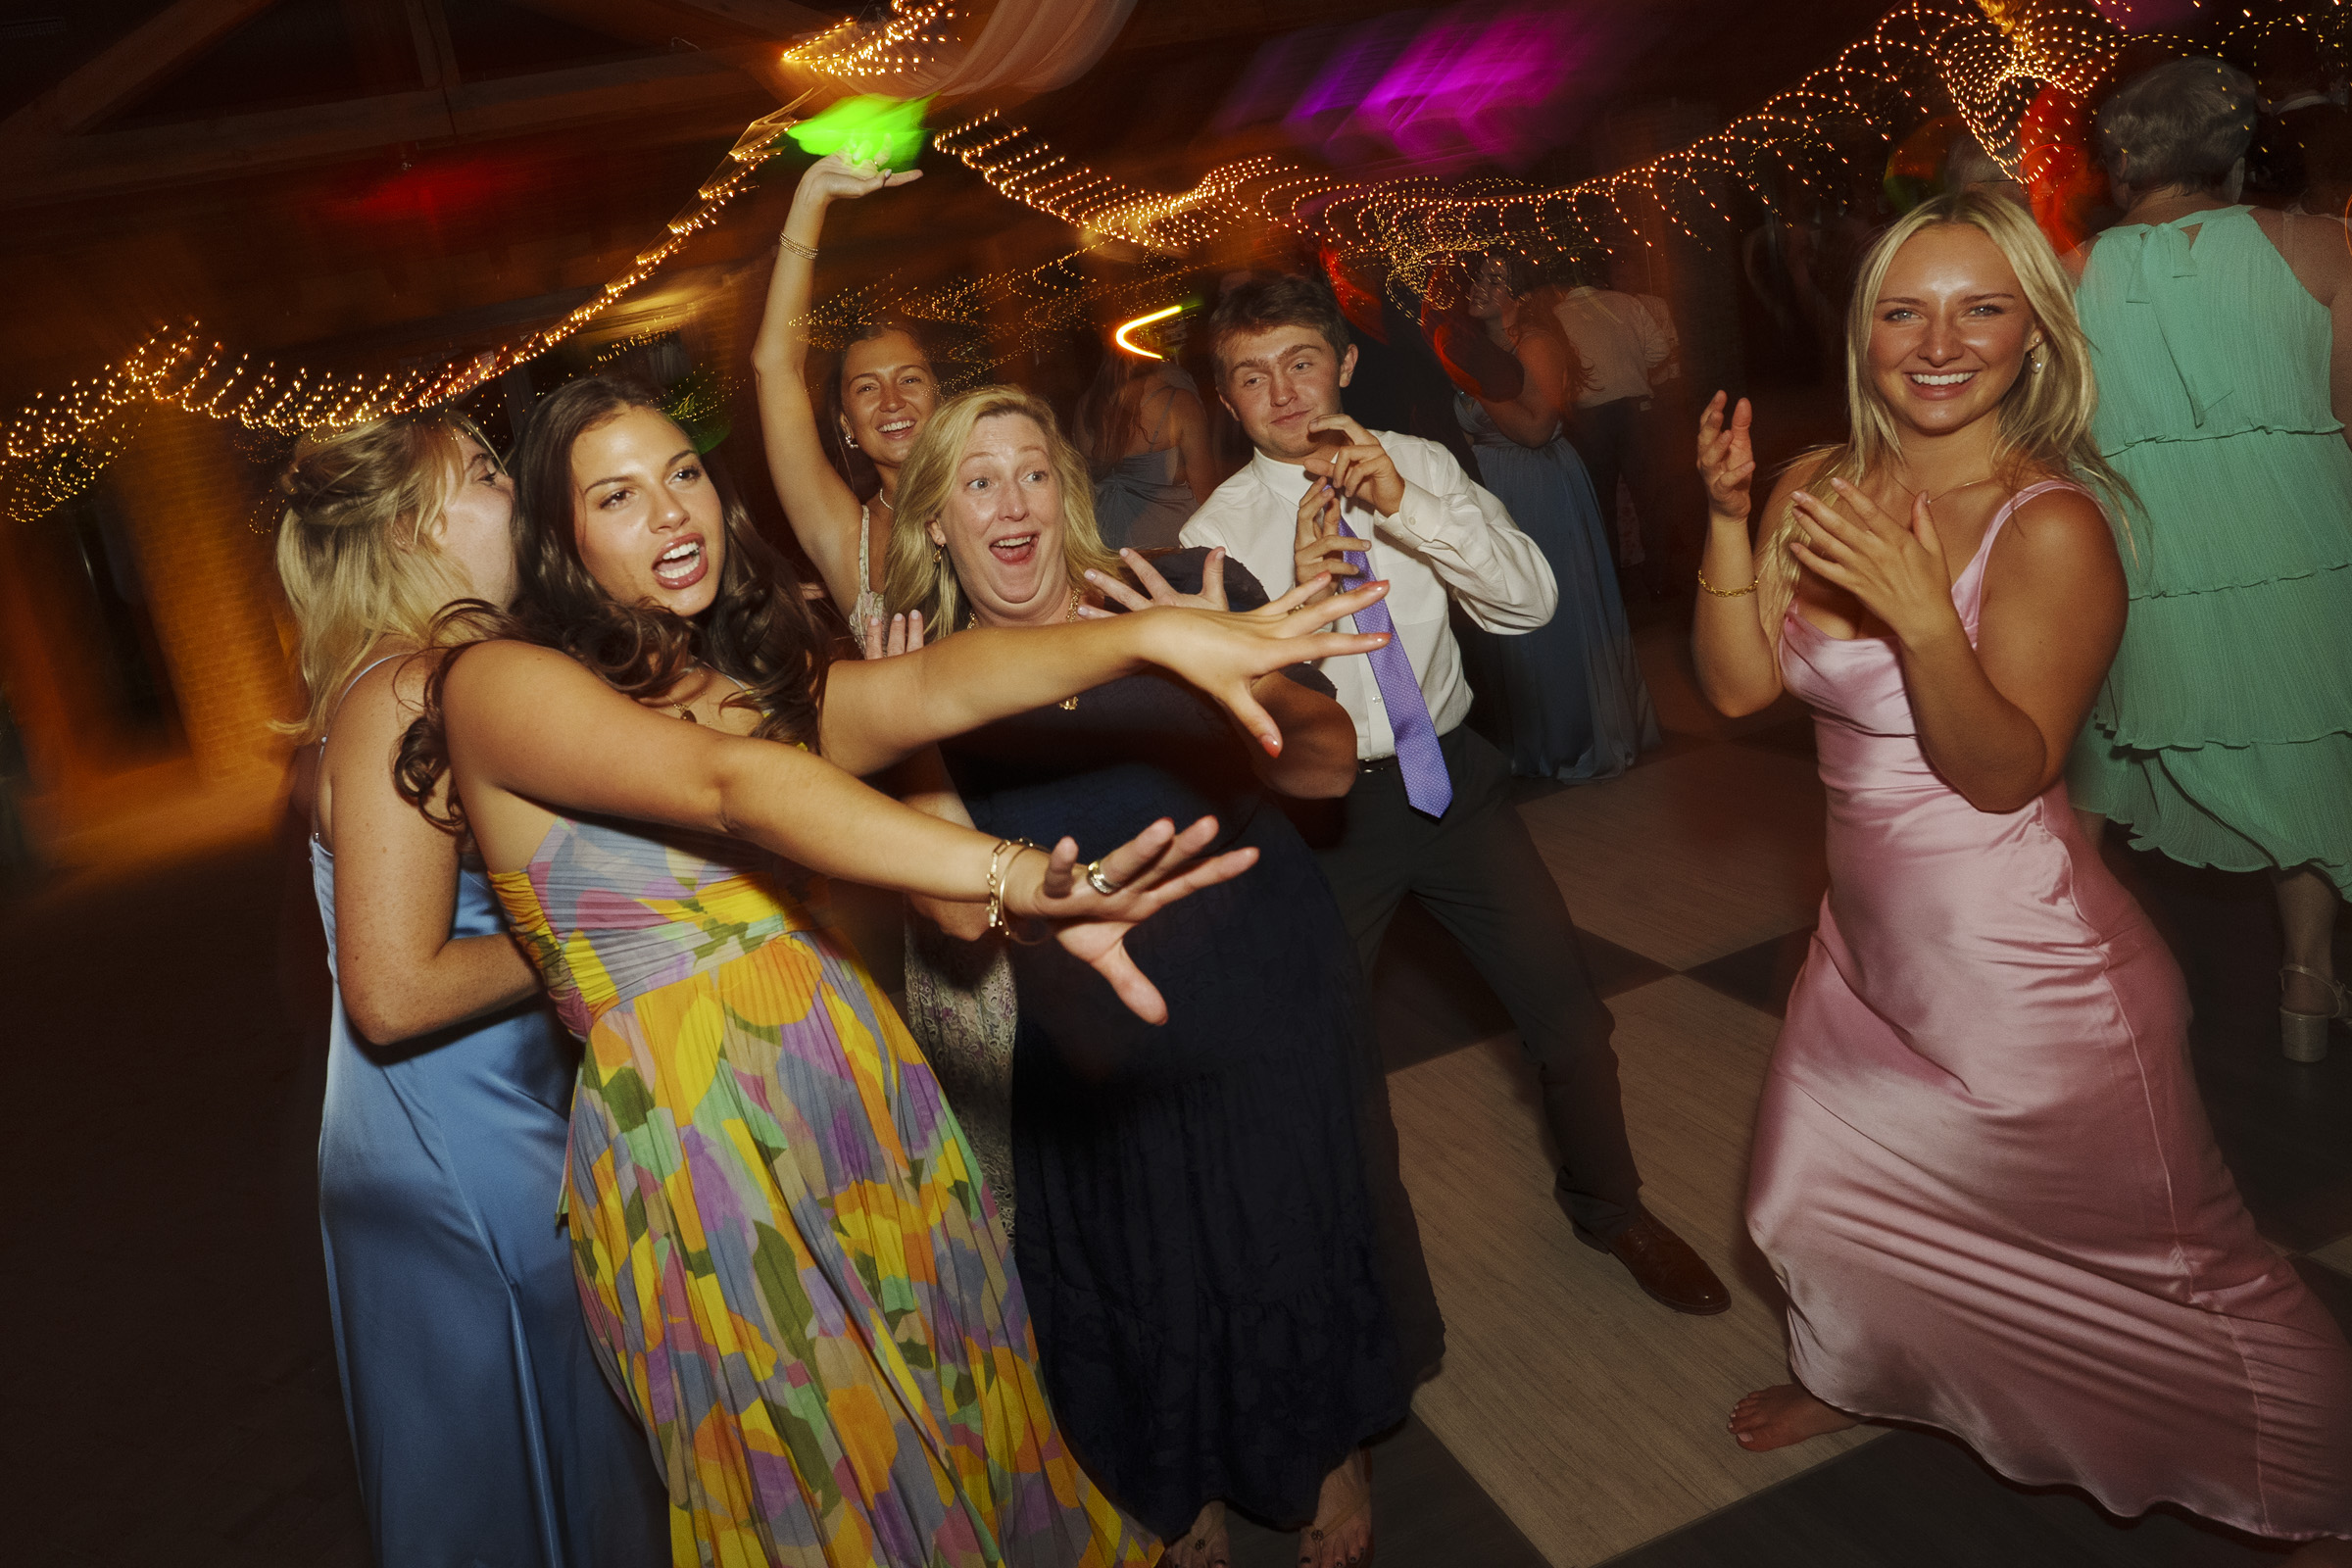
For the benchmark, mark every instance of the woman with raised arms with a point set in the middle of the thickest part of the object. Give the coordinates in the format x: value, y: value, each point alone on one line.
x: 781, y: 1240
x: 878, y: 392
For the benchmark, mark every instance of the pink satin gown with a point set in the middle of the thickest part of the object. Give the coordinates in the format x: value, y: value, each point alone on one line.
x: 1982, y: 1173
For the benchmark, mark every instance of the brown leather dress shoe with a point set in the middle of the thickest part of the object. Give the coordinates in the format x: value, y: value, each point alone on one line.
x: 1664, y: 1265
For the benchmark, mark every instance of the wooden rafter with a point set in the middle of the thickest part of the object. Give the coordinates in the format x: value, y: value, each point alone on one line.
x: 509, y: 105
x: 706, y: 23
x: 48, y: 153
x: 140, y: 59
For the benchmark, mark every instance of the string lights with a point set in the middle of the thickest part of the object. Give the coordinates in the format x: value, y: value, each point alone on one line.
x: 852, y: 49
x: 54, y: 445
x: 1991, y: 59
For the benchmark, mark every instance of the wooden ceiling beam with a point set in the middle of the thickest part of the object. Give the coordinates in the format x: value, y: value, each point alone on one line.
x: 141, y: 58
x: 702, y: 85
x: 704, y: 24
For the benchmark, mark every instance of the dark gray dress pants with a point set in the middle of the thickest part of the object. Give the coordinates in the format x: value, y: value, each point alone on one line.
x: 1478, y: 872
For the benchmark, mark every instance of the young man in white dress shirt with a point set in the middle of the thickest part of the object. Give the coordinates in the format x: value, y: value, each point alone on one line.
x: 1429, y: 815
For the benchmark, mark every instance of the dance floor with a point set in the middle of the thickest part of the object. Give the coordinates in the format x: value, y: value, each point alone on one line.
x: 174, y: 1397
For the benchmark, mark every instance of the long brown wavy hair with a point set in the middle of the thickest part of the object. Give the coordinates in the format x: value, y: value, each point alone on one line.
x: 757, y: 631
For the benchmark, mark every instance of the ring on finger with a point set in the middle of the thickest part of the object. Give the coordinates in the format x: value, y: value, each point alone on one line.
x: 1097, y: 881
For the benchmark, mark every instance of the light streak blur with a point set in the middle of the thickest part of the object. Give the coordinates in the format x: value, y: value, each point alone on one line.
x: 1137, y: 349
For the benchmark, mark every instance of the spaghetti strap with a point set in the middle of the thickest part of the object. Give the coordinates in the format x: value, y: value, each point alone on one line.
x: 1968, y: 588
x: 867, y: 604
x: 1152, y: 441
x: 2009, y: 507
x: 347, y: 691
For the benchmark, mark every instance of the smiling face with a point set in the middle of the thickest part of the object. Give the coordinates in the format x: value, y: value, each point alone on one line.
x: 650, y: 528
x: 473, y: 531
x: 1279, y: 381
x: 1950, y: 329
x: 887, y: 392
x: 1001, y: 528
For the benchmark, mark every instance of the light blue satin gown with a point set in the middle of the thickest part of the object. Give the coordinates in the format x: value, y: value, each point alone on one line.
x: 485, y: 1433
x: 1565, y: 700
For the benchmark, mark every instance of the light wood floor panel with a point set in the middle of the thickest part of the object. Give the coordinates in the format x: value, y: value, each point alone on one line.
x: 2337, y: 1255
x: 1664, y: 649
x: 1591, y: 1414
x: 1690, y: 858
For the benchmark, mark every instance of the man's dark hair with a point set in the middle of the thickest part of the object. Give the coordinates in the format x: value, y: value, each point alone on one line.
x: 1272, y: 300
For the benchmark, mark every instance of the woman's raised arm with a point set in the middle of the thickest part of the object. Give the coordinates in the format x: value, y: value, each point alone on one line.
x: 823, y: 509
x: 878, y: 712
x: 530, y: 732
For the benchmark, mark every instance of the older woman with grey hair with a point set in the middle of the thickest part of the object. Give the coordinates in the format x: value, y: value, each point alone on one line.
x: 2221, y: 338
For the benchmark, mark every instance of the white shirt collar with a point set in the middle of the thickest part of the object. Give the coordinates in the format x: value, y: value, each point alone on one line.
x: 1284, y: 481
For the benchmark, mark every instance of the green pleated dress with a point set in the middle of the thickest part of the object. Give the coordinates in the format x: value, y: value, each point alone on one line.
x: 2223, y: 735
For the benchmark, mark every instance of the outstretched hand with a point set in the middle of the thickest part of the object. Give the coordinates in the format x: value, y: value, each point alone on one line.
x: 1158, y: 592
x: 1898, y: 573
x: 1225, y: 652
x: 1727, y: 457
x: 1148, y: 872
x: 833, y: 177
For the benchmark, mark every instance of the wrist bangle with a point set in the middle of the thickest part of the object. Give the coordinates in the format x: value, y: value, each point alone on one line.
x: 795, y: 246
x: 1000, y: 862
x: 1724, y: 593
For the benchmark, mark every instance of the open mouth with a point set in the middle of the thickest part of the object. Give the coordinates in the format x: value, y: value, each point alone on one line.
x: 1016, y: 550
x: 893, y: 429
x: 682, y: 564
x: 1941, y: 379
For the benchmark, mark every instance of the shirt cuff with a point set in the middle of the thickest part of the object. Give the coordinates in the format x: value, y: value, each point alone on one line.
x: 1419, y: 516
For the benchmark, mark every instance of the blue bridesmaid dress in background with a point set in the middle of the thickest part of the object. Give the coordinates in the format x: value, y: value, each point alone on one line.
x: 1565, y: 700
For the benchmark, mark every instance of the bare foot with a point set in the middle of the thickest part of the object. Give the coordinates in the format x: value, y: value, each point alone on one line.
x: 1204, y: 1545
x: 1342, y: 1535
x: 1784, y: 1413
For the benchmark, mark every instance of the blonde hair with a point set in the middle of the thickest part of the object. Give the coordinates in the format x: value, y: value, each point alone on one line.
x: 355, y: 545
x: 2044, y: 416
x: 922, y: 577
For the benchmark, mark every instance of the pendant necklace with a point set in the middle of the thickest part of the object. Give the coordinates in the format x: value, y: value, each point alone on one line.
x: 1076, y: 599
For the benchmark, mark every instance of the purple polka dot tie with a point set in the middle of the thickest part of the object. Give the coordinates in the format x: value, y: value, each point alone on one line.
x: 1418, y: 757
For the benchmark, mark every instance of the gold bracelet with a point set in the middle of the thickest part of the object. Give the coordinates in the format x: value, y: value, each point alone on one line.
x: 795, y: 246
x: 997, y: 864
x: 1724, y: 593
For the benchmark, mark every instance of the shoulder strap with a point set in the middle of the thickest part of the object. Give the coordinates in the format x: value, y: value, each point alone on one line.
x: 347, y: 690
x: 866, y: 572
x: 1152, y: 441
x: 2000, y: 518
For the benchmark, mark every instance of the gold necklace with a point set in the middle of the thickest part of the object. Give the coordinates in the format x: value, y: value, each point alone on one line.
x: 1076, y: 599
x: 1956, y: 489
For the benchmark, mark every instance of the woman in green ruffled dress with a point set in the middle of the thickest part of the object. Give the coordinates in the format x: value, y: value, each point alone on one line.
x: 2221, y: 339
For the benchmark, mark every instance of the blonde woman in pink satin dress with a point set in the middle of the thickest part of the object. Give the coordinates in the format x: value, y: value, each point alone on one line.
x: 1982, y: 1170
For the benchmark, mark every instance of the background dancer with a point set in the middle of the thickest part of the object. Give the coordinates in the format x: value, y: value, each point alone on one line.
x: 2222, y: 335
x: 1429, y: 815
